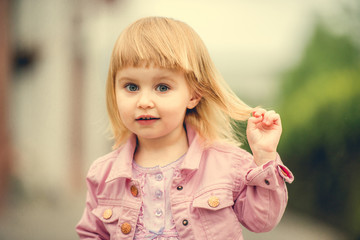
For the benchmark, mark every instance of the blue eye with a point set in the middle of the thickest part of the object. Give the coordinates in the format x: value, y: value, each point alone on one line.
x: 131, y: 87
x: 162, y: 88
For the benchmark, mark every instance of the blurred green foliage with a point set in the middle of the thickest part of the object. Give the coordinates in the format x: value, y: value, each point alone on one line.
x: 320, y: 111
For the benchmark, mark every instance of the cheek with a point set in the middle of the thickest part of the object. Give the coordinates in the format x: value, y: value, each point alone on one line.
x: 125, y: 117
x: 175, y: 109
x: 123, y: 108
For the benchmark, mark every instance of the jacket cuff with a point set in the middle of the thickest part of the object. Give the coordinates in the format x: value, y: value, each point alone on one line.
x: 269, y: 174
x: 285, y: 173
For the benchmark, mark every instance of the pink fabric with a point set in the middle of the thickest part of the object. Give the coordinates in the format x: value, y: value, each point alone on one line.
x: 155, y: 219
x: 249, y: 195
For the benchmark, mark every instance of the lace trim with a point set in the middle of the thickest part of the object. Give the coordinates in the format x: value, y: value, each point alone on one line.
x: 140, y: 227
x: 141, y: 232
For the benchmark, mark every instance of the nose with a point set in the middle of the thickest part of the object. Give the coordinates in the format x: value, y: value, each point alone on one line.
x: 145, y: 100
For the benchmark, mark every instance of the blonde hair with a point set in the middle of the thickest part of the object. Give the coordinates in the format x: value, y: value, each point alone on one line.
x: 172, y: 44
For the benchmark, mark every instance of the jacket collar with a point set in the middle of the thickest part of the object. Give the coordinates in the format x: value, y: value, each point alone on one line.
x: 195, y: 150
x: 122, y: 166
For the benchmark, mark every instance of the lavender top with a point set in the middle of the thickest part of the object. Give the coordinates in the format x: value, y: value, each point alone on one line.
x: 155, y: 219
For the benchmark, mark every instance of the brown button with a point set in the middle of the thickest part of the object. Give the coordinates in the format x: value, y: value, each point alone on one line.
x: 185, y: 222
x: 107, y: 213
x: 179, y: 188
x: 134, y: 190
x: 213, y: 201
x: 126, y: 228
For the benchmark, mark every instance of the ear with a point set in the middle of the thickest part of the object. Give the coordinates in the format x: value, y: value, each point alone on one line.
x: 195, y: 99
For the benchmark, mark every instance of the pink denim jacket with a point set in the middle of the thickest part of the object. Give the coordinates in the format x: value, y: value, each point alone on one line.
x: 219, y: 188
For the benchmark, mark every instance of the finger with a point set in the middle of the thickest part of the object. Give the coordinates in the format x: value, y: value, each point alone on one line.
x: 259, y: 112
x: 263, y: 115
x: 268, y: 115
x: 274, y: 119
x: 271, y: 117
x: 254, y: 120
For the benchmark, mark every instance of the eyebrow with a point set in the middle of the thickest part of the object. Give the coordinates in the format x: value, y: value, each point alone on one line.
x: 122, y: 79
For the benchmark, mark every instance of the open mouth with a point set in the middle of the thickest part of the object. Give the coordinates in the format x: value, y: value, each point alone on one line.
x: 145, y: 118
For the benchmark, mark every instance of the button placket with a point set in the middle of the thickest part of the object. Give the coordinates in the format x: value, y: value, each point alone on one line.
x: 158, y: 212
x: 154, y: 190
x: 159, y: 176
x: 158, y: 194
x: 153, y: 182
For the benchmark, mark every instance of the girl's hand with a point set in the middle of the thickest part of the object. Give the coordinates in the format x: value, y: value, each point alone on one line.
x: 263, y: 133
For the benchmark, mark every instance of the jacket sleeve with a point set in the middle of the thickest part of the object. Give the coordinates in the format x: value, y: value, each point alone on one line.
x: 263, y: 196
x: 89, y: 226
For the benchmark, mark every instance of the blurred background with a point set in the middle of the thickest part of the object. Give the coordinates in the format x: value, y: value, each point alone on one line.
x: 298, y: 57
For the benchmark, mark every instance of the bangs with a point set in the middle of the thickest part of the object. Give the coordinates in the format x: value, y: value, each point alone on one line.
x: 155, y: 41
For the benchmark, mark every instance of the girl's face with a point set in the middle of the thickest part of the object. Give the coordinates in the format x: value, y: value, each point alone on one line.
x: 152, y: 101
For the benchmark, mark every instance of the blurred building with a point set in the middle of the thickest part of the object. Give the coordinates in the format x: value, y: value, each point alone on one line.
x: 57, y: 91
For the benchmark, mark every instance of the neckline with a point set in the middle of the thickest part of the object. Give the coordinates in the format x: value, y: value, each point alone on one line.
x: 158, y: 167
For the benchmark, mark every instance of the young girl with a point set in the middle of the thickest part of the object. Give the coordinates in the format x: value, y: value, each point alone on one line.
x: 176, y: 172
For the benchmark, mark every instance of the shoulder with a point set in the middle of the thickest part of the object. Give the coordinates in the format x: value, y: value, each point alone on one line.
x: 233, y: 160
x: 100, y: 168
x: 229, y: 152
x: 225, y: 164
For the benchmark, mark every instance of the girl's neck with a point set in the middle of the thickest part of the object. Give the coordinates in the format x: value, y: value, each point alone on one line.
x: 161, y: 151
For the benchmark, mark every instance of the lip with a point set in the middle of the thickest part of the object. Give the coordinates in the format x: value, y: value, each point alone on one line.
x: 146, y: 119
